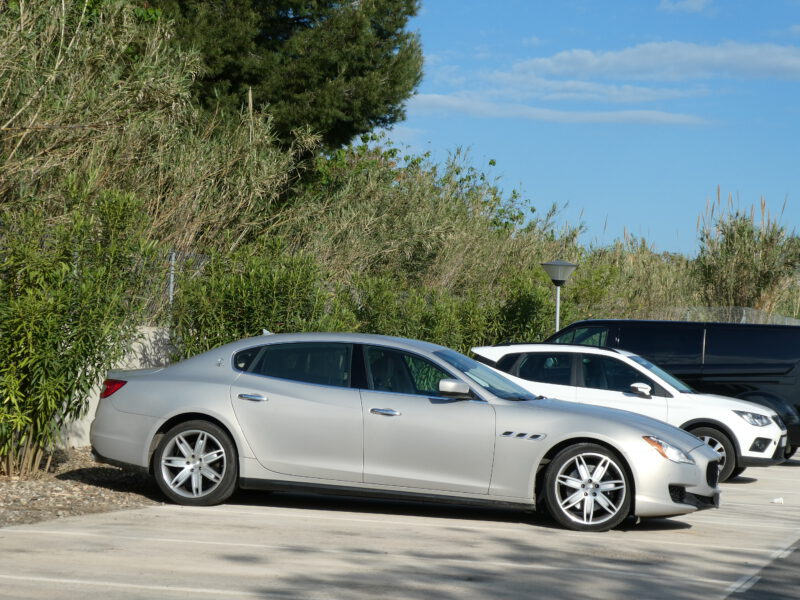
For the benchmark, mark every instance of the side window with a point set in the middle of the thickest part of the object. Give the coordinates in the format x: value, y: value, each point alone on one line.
x: 403, y: 373
x: 546, y: 368
x: 244, y: 358
x: 605, y: 373
x: 320, y: 363
x: 664, y: 344
x: 749, y: 345
x: 585, y: 336
x: 506, y: 363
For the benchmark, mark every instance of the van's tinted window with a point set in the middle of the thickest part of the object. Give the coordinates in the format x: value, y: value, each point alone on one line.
x: 731, y: 344
x: 585, y: 336
x: 664, y: 343
x: 322, y: 363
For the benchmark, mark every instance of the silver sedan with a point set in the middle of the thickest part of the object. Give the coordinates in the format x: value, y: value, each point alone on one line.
x: 382, y: 416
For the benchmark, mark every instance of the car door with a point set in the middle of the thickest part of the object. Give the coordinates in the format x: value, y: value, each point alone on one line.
x: 297, y: 410
x: 415, y: 438
x: 606, y: 381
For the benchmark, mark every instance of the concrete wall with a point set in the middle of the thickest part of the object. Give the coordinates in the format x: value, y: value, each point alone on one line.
x: 152, y: 349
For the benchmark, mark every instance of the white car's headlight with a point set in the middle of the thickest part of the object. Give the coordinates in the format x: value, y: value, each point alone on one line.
x: 756, y: 419
x: 667, y: 450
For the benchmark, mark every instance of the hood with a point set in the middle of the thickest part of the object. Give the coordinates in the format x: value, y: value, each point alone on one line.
x: 733, y: 404
x: 599, y: 418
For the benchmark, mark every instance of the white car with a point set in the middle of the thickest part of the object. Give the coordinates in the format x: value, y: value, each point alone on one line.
x: 745, y: 434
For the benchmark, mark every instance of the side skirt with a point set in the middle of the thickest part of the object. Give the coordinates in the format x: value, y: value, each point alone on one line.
x: 337, y: 490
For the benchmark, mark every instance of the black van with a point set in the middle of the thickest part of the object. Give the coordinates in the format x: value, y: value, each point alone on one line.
x: 759, y: 363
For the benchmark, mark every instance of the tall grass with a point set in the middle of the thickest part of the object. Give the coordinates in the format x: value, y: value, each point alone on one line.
x: 746, y: 259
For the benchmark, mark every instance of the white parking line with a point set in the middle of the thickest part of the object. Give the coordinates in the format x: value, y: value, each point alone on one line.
x: 743, y: 584
x: 130, y: 586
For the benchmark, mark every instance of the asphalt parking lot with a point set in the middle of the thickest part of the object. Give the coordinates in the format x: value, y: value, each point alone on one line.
x: 314, y: 547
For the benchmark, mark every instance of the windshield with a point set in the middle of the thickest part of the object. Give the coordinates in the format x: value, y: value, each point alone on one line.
x: 485, y: 377
x: 673, y: 381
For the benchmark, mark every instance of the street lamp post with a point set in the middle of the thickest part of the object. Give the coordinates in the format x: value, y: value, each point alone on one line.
x: 558, y: 271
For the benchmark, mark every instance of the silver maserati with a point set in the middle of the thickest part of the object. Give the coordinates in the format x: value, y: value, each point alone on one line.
x: 383, y: 416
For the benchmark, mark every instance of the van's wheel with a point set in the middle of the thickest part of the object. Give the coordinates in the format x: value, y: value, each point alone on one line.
x: 587, y: 488
x: 724, y: 447
x: 196, y: 464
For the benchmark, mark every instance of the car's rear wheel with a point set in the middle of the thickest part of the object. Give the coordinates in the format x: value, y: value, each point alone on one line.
x: 724, y: 447
x: 587, y: 488
x: 195, y: 464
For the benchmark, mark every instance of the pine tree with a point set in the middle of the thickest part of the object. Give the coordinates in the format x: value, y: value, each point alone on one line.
x: 340, y: 68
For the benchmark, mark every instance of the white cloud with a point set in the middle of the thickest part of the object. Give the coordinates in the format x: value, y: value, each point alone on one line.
x: 794, y: 29
x: 479, y: 107
x: 671, y: 61
x: 521, y: 87
x: 531, y: 41
x: 683, y: 5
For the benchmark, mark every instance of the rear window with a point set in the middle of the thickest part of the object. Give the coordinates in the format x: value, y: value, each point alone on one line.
x: 585, y: 336
x: 546, y: 368
x: 320, y: 363
x: 749, y: 345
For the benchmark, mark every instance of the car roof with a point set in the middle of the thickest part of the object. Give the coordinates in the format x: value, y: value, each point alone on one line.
x: 352, y: 338
x: 667, y: 322
x: 500, y: 350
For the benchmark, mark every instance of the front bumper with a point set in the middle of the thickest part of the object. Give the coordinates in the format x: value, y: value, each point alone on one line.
x: 778, y: 456
x: 671, y: 489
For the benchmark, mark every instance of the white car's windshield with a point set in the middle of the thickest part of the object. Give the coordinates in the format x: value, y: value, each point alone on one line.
x: 485, y: 377
x: 673, y: 381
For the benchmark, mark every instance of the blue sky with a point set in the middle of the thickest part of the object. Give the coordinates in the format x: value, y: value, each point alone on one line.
x: 628, y: 112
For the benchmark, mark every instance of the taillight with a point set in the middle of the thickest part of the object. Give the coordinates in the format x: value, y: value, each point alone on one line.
x: 110, y: 386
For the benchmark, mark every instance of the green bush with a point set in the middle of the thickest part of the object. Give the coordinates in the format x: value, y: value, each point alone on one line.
x: 240, y: 294
x: 72, y: 291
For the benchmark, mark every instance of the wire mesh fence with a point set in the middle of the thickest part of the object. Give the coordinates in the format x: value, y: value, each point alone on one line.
x: 719, y: 314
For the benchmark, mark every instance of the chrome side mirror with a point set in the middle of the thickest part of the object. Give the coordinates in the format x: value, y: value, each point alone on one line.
x: 453, y: 388
x: 642, y: 389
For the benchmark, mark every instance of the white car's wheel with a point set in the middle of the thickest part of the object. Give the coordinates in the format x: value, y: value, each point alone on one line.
x: 724, y: 447
x: 196, y: 464
x: 587, y: 488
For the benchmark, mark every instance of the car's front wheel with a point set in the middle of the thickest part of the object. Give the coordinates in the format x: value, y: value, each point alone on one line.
x: 196, y: 464
x: 724, y: 447
x: 587, y: 488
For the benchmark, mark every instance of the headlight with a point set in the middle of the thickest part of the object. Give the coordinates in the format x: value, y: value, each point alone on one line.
x: 668, y: 450
x: 756, y: 419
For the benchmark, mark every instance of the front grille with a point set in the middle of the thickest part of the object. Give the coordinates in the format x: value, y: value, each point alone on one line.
x: 677, y: 493
x: 712, y: 473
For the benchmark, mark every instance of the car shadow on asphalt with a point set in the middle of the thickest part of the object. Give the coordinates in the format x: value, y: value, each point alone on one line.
x: 114, y: 479
x: 740, y: 480
x: 353, y: 504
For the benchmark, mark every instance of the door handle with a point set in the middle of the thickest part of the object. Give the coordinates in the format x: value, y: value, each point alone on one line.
x: 252, y: 397
x: 386, y: 412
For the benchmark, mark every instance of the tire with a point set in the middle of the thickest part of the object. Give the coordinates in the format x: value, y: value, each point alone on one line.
x: 736, y: 472
x: 723, y: 445
x: 790, y: 450
x: 195, y: 464
x: 574, y: 496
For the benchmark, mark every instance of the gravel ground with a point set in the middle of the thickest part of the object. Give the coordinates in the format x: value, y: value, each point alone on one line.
x: 77, y: 486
